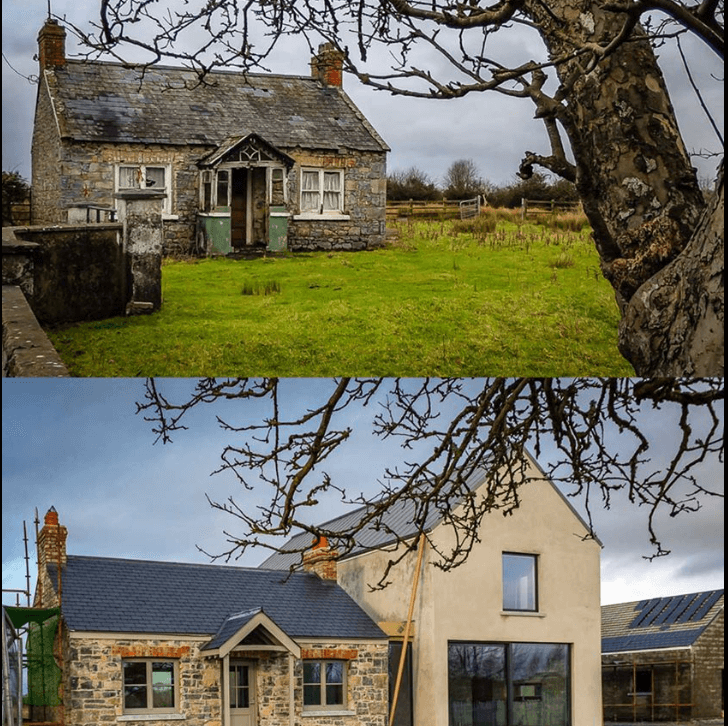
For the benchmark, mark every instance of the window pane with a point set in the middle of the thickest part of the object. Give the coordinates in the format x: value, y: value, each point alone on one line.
x: 223, y: 179
x: 334, y: 695
x: 135, y: 696
x: 163, y: 685
x: 477, y: 684
x: 519, y: 582
x: 129, y: 177
x: 312, y: 672
x: 312, y: 695
x: 403, y: 714
x: 310, y: 181
x: 155, y: 177
x: 540, y: 682
x: 334, y: 673
x: 135, y: 672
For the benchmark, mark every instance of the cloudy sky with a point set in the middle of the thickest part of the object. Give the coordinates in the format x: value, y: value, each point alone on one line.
x: 492, y: 130
x: 79, y: 446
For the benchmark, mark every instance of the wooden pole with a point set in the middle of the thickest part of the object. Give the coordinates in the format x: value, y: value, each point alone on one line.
x: 403, y: 654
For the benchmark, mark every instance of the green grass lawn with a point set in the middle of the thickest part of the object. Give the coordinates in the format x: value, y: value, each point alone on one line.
x: 438, y: 301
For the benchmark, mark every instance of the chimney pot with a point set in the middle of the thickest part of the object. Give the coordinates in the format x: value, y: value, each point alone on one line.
x: 328, y: 65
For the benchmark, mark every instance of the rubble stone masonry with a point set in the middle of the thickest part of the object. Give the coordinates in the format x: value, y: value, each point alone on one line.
x: 93, y: 682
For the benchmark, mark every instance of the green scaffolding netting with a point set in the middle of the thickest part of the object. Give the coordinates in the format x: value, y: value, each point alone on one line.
x: 44, y: 675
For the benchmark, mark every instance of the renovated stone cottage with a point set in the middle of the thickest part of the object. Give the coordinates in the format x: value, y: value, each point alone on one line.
x: 244, y: 162
x: 152, y: 642
x: 663, y: 658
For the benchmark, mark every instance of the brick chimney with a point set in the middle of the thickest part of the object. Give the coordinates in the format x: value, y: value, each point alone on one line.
x: 328, y: 65
x: 51, y: 45
x: 321, y: 559
x: 52, y: 541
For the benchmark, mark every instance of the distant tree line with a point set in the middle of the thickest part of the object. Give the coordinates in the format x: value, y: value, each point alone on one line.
x: 15, y: 191
x: 464, y: 181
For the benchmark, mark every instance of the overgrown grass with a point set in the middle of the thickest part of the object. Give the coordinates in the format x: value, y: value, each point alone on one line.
x: 443, y: 298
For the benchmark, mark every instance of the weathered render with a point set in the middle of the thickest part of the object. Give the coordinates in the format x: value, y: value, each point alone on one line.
x: 456, y: 613
x: 663, y: 658
x: 256, y: 161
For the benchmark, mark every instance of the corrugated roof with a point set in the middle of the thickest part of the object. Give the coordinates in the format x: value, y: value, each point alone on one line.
x: 109, y: 102
x: 668, y: 622
x: 116, y: 595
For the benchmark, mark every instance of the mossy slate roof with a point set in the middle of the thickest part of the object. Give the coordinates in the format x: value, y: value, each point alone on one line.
x: 109, y: 102
x: 675, y: 621
x: 142, y: 596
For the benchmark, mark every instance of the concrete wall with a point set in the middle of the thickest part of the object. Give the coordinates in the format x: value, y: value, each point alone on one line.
x: 466, y: 604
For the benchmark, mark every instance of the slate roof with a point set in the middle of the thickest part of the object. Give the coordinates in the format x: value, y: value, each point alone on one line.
x: 664, y: 622
x: 397, y: 520
x: 108, y: 102
x: 116, y: 595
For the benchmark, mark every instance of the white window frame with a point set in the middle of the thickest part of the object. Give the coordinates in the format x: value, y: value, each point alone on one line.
x: 150, y: 709
x: 323, y: 706
x: 319, y: 209
x: 142, y: 181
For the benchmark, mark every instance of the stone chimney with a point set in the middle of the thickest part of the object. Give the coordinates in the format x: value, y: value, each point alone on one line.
x: 52, y: 541
x: 328, y: 65
x: 321, y: 559
x: 51, y: 45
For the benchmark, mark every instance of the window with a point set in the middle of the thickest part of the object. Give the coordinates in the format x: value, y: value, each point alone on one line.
x: 141, y: 176
x: 321, y: 191
x: 403, y: 715
x: 324, y: 684
x: 150, y: 685
x: 519, y: 582
x: 497, y: 684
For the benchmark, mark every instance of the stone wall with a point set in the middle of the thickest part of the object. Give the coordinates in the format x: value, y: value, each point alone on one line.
x: 72, y: 273
x: 708, y: 654
x: 93, y: 682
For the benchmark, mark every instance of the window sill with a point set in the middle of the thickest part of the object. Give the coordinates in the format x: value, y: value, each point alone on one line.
x: 523, y: 613
x: 320, y: 714
x: 152, y: 717
x: 332, y: 217
x: 169, y: 217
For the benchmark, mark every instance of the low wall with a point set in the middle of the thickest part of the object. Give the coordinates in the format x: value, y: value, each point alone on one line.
x: 69, y: 273
x: 27, y: 352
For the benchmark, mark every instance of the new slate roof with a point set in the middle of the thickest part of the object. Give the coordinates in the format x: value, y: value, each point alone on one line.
x: 664, y: 622
x: 115, y: 595
x: 398, y: 519
x: 108, y: 102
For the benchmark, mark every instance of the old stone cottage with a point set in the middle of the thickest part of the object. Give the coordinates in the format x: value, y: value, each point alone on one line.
x: 663, y: 658
x: 244, y: 162
x: 511, y: 636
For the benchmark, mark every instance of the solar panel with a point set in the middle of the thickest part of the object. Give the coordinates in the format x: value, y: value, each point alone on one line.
x: 707, y: 603
x: 650, y: 612
x: 694, y: 605
x: 675, y: 607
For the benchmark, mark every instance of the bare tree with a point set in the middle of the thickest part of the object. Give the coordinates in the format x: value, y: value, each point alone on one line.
x: 595, y: 84
x: 453, y: 433
x: 463, y: 180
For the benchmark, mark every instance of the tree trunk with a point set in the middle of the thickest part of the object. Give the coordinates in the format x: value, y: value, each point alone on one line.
x: 641, y: 195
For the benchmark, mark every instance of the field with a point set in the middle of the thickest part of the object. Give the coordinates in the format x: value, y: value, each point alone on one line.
x: 443, y: 298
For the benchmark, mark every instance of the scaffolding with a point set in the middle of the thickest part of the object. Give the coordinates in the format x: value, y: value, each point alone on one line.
x: 650, y: 690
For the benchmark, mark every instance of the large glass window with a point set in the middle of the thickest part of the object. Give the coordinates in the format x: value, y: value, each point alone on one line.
x: 149, y: 685
x: 324, y: 684
x: 509, y: 684
x: 519, y: 582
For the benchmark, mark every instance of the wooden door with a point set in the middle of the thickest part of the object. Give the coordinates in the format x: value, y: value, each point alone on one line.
x: 242, y: 693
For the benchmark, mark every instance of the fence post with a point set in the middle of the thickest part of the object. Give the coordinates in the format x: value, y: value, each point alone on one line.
x: 523, y: 208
